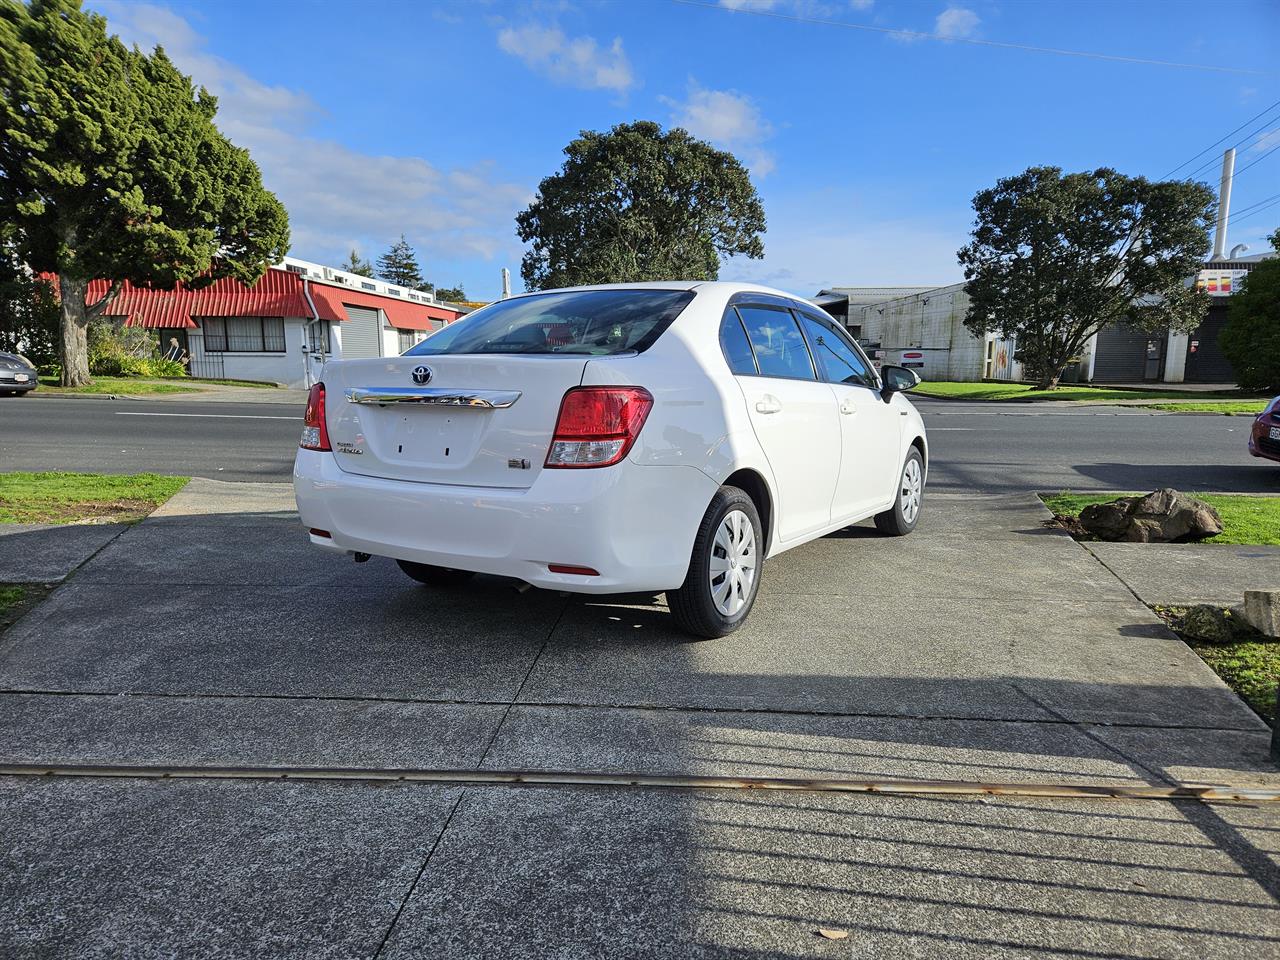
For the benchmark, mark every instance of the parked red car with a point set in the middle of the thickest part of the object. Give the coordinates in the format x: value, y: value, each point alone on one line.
x: 1264, y: 439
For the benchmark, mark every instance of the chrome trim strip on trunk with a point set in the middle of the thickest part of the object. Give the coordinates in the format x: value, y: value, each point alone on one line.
x: 439, y: 396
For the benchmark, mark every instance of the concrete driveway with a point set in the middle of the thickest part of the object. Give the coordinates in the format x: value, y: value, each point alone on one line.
x: 982, y: 648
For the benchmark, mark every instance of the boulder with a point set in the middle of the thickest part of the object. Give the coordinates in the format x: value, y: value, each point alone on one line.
x: 1207, y: 624
x: 1261, y: 611
x: 1165, y: 516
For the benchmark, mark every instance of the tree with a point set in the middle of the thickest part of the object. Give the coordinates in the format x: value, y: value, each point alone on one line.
x: 29, y: 313
x: 1251, y: 338
x: 111, y: 166
x: 1055, y: 258
x: 450, y: 294
x: 354, y: 264
x: 400, y: 265
x: 639, y: 204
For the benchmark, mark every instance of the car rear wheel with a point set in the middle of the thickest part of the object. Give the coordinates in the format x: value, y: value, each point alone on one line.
x: 435, y: 576
x: 901, y: 518
x: 724, y: 570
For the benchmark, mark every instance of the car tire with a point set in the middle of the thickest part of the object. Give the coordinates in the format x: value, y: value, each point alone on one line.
x: 717, y: 593
x: 902, y: 517
x: 435, y: 576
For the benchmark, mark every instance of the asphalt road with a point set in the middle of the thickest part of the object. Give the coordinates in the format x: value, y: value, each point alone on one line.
x: 1005, y: 448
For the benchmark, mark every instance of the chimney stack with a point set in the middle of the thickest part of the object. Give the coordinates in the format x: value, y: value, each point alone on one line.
x: 506, y: 283
x: 1224, y: 204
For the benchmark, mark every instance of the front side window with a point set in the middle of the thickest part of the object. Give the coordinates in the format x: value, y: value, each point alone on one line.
x: 243, y: 334
x: 779, y: 348
x: 736, y: 347
x: 590, y: 322
x: 838, y: 361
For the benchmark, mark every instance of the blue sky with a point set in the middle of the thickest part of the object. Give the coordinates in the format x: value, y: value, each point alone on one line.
x: 437, y: 120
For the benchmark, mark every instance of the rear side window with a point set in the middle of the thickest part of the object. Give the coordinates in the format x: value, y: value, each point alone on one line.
x: 591, y: 322
x: 779, y: 348
x: 838, y: 361
x: 733, y: 341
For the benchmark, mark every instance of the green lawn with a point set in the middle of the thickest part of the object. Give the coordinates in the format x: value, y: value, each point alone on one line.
x: 1249, y: 667
x: 1245, y: 520
x: 134, y: 386
x: 72, y: 497
x: 1025, y: 391
x: 1209, y: 406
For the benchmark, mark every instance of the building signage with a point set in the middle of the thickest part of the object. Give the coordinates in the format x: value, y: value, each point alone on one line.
x: 1219, y: 283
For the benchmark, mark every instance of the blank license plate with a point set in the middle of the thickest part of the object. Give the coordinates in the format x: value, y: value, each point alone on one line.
x: 1275, y: 433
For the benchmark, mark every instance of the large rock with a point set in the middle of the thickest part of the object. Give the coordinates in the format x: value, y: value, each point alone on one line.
x: 1207, y: 624
x: 1261, y: 611
x: 1165, y: 516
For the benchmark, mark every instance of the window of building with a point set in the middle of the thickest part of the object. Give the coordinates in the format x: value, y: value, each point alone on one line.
x: 368, y: 286
x: 243, y: 334
x: 294, y: 268
x: 318, y: 340
x: 392, y: 293
x: 838, y: 360
x: 734, y: 343
x: 779, y: 347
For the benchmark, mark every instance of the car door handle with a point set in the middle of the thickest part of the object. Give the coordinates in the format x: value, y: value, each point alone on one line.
x: 848, y: 407
x: 768, y: 404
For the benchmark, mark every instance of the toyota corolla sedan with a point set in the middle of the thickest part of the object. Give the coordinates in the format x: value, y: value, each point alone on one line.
x: 1264, y: 438
x: 17, y: 375
x: 639, y: 437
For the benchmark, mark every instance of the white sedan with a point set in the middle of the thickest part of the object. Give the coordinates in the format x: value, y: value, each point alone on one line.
x: 638, y: 437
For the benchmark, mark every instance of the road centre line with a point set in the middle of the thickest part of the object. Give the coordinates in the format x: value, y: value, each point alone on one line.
x: 213, y: 416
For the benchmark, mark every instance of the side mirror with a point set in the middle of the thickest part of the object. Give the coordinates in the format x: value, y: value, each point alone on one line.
x: 897, y: 379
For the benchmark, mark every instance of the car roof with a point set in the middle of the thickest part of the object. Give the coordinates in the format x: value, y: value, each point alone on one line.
x: 702, y: 286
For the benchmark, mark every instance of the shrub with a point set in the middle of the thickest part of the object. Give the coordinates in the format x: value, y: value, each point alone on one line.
x: 1251, y: 338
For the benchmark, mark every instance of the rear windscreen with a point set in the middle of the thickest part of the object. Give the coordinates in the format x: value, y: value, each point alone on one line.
x: 592, y: 322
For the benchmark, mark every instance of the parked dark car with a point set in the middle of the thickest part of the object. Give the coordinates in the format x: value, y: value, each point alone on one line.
x: 1264, y: 439
x: 17, y: 375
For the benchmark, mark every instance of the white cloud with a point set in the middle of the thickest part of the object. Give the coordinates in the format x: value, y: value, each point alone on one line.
x: 577, y: 61
x: 1267, y: 141
x: 956, y: 22
x: 728, y: 119
x: 862, y: 4
x: 337, y: 196
x: 749, y: 4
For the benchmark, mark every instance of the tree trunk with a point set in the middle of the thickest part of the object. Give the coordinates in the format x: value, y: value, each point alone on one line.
x: 1048, y: 381
x: 75, y: 324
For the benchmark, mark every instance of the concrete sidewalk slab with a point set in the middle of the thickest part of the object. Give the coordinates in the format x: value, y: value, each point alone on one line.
x: 208, y: 869
x: 46, y: 553
x: 225, y: 500
x: 239, y: 731
x: 596, y: 873
x: 1110, y: 662
x: 407, y: 642
x: 1186, y: 573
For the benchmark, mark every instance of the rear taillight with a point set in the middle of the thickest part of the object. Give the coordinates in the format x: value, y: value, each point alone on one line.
x: 315, y: 433
x: 598, y: 425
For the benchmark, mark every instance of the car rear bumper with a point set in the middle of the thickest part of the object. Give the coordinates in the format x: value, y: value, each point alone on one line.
x: 633, y: 524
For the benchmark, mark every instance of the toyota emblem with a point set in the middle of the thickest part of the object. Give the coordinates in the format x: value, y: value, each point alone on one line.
x: 421, y: 374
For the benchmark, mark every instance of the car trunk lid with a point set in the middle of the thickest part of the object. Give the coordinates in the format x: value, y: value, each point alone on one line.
x: 458, y: 419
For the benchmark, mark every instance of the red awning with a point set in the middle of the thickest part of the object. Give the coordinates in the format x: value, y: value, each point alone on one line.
x: 401, y: 314
x: 277, y: 294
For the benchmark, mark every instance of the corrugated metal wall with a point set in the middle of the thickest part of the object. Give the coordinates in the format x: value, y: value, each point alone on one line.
x: 931, y: 323
x: 1121, y: 355
x: 1207, y: 363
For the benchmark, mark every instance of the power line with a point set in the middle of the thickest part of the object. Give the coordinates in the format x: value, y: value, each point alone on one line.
x: 1263, y: 209
x: 917, y: 35
x: 1264, y: 156
x: 1258, y: 204
x: 1217, y: 142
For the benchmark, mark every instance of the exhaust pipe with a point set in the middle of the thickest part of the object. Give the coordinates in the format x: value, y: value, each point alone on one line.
x: 359, y: 557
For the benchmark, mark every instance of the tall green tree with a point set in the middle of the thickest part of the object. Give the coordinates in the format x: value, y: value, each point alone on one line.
x: 111, y: 167
x: 637, y: 203
x: 29, y: 315
x: 1251, y: 338
x: 1056, y: 257
x: 451, y: 294
x: 400, y: 265
x: 357, y: 265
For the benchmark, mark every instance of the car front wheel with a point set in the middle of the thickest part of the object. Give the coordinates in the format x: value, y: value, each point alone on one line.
x: 901, y: 518
x: 724, y: 570
x: 435, y: 576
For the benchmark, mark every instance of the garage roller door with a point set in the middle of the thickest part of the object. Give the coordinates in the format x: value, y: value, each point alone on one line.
x: 362, y: 333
